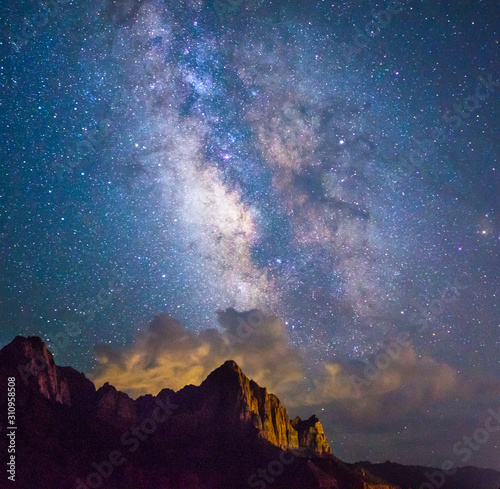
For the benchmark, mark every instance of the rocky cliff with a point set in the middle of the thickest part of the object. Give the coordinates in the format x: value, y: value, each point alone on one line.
x: 244, y: 401
x: 31, y: 361
x: 311, y: 435
x: 226, y: 433
x: 115, y: 407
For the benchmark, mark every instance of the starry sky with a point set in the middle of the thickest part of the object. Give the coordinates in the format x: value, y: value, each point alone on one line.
x: 331, y: 166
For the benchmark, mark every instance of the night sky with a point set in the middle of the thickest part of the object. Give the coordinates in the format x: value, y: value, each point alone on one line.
x: 340, y: 174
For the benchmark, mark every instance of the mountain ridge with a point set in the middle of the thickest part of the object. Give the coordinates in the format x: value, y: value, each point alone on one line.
x: 228, y: 432
x: 414, y: 476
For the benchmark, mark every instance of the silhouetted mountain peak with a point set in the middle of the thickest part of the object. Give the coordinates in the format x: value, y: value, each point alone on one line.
x: 231, y: 365
x: 228, y: 371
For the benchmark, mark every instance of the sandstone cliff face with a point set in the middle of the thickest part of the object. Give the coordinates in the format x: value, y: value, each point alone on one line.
x: 253, y: 404
x: 81, y: 390
x: 246, y: 402
x: 34, y: 365
x: 115, y: 407
x: 311, y: 435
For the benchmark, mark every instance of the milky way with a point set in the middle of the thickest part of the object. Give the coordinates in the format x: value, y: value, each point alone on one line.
x: 341, y: 174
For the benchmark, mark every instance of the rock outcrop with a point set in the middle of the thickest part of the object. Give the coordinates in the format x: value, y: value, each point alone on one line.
x: 30, y: 360
x: 242, y: 400
x: 115, y: 407
x: 81, y: 390
x: 311, y: 435
x: 245, y: 401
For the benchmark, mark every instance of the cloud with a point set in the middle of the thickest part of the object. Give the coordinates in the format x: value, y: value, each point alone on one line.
x: 364, y: 395
x: 169, y: 355
x: 393, y: 385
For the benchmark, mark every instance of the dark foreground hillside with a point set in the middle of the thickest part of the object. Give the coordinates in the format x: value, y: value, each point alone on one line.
x: 409, y: 476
